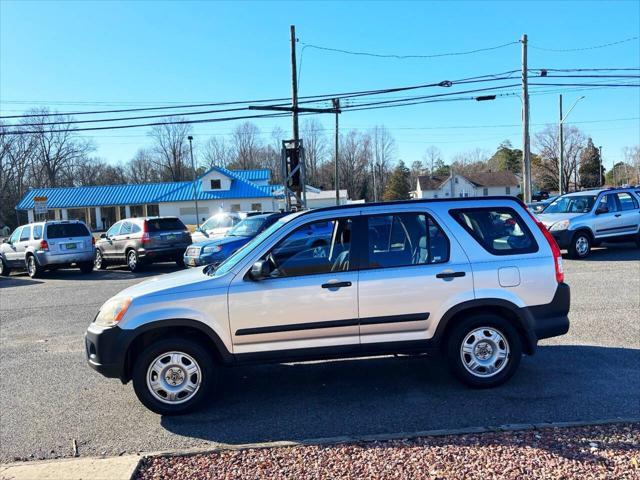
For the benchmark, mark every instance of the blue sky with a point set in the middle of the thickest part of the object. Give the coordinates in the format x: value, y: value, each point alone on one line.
x: 95, y: 55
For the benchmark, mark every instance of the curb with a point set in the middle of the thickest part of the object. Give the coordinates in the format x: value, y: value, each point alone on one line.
x: 86, y: 467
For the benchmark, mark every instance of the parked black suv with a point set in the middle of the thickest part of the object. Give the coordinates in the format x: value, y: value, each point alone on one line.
x: 136, y: 241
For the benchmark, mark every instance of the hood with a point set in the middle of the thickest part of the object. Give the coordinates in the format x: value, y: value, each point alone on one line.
x: 221, y: 241
x: 549, y: 219
x: 183, y: 280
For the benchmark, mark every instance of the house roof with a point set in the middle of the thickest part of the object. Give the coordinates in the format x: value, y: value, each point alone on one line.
x: 431, y: 182
x: 107, y: 195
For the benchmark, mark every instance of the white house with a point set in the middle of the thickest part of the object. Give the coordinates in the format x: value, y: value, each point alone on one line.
x: 483, y: 184
x: 217, y: 190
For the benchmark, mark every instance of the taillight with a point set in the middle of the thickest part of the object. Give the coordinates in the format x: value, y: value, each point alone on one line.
x: 44, y: 246
x: 555, y: 249
x: 146, y: 238
x: 93, y: 240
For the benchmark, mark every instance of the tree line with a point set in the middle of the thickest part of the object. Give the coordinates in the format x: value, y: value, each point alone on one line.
x: 369, y: 167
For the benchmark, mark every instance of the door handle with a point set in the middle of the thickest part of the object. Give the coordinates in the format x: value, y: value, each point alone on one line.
x: 336, y: 284
x: 450, y: 274
x: 617, y: 215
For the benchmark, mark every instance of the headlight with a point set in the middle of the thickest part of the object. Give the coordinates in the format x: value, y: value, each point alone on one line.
x: 112, y: 311
x: 561, y: 225
x: 212, y: 249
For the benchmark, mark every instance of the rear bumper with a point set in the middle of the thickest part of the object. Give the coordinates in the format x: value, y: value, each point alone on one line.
x: 552, y: 319
x: 47, y: 258
x: 161, y: 253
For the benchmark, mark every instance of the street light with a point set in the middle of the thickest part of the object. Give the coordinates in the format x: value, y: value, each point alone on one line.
x: 561, y: 141
x: 195, y: 190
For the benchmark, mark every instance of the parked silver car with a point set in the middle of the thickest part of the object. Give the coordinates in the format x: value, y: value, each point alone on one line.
x: 478, y: 279
x: 48, y: 245
x: 217, y: 225
x: 584, y: 219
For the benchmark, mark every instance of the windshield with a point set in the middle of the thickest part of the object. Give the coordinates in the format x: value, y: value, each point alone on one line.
x: 247, y: 228
x: 242, y: 252
x: 571, y: 204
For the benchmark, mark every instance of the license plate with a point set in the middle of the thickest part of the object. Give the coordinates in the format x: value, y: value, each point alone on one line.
x: 170, y: 237
x: 191, y: 261
x: 70, y: 246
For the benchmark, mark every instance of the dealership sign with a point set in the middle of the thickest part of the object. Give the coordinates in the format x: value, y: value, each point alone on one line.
x: 40, y: 205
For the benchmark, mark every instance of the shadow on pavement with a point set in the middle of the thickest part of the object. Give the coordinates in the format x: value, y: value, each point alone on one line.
x: 111, y: 273
x: 17, y: 281
x: 407, y: 394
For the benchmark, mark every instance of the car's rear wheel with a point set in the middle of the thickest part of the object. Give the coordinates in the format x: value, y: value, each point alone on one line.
x: 133, y: 261
x: 173, y: 376
x: 99, y: 262
x: 4, y: 269
x: 484, y: 351
x: 33, y: 267
x: 86, y: 267
x: 580, y: 245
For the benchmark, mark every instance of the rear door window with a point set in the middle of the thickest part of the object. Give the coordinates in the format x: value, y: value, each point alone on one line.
x: 37, y: 232
x: 164, y: 224
x: 26, y: 233
x: 126, y: 228
x: 66, y: 230
x: 500, y: 230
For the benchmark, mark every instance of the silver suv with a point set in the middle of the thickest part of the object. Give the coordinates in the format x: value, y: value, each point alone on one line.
x: 584, y: 219
x: 48, y: 245
x: 479, y: 280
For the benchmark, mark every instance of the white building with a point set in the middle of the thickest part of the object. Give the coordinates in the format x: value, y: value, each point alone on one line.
x: 217, y: 190
x: 482, y: 184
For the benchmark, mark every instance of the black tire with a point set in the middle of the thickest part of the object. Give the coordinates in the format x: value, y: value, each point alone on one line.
x: 580, y: 245
x: 33, y: 267
x: 99, y: 262
x: 180, y: 262
x: 133, y: 261
x: 505, y: 369
x: 143, y: 362
x: 5, y: 270
x: 86, y: 267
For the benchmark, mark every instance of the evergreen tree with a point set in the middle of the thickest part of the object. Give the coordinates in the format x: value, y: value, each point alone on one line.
x: 398, y: 187
x: 506, y: 158
x: 589, y: 170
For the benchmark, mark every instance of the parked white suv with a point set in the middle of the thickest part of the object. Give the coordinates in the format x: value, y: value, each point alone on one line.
x: 478, y: 279
x: 41, y: 246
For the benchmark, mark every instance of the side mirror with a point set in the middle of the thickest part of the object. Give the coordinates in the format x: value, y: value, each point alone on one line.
x: 602, y: 209
x: 261, y: 270
x: 103, y: 235
x: 5, y: 240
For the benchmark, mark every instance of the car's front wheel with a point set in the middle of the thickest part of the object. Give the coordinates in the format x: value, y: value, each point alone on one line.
x: 173, y: 376
x: 484, y: 351
x: 580, y: 246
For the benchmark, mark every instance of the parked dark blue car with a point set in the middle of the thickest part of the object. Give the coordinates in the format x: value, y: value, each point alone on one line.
x: 218, y: 249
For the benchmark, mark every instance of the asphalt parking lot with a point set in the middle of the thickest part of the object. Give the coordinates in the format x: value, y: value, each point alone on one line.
x: 49, y: 397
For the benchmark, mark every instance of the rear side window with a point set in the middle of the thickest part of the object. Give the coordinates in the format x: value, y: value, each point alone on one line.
x: 37, y: 232
x: 404, y: 239
x: 26, y: 233
x: 500, y: 231
x: 627, y: 202
x: 64, y: 230
x: 126, y: 228
x: 162, y: 224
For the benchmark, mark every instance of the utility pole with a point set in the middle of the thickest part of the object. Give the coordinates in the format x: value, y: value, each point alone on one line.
x: 561, y: 146
x: 336, y: 107
x: 297, y: 179
x: 526, y: 154
x: 195, y: 190
x: 601, y: 180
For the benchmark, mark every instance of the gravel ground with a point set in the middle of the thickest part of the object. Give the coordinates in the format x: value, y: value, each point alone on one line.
x: 602, y: 452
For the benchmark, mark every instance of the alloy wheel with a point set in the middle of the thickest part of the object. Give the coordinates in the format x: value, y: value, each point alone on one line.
x: 484, y: 352
x: 582, y: 245
x: 132, y: 260
x: 174, y: 377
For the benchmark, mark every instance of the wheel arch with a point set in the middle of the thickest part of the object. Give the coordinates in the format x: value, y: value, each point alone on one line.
x: 145, y: 335
x: 494, y: 306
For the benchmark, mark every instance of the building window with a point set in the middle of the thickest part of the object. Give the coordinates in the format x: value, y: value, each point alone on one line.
x: 256, y: 207
x: 216, y: 184
x: 153, y: 210
x: 456, y: 180
x: 235, y: 207
x: 507, y: 190
x: 123, y: 212
x: 435, y: 195
x: 136, y: 211
x: 485, y: 192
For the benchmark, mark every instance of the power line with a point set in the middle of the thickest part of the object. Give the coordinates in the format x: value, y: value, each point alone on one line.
x: 404, y: 57
x: 588, y: 84
x: 630, y: 39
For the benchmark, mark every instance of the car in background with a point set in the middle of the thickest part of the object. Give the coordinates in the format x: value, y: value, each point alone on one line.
x: 217, y: 225
x: 49, y: 245
x: 584, y: 219
x: 215, y: 250
x: 540, y: 196
x: 138, y: 241
x: 538, y: 207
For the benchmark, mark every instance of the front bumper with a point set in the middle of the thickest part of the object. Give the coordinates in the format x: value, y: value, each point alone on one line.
x: 106, y: 350
x: 562, y: 237
x: 196, y: 261
x: 47, y: 258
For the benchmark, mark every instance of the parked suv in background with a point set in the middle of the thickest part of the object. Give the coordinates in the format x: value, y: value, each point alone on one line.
x: 41, y: 246
x: 138, y: 241
x: 584, y: 219
x: 478, y: 279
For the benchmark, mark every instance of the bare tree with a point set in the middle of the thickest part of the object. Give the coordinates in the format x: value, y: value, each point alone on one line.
x: 217, y: 153
x: 315, y: 147
x: 383, y: 149
x: 246, y: 146
x: 353, y: 162
x: 432, y: 156
x: 632, y: 157
x: 545, y: 165
x: 171, y: 149
x: 97, y: 171
x: 142, y: 168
